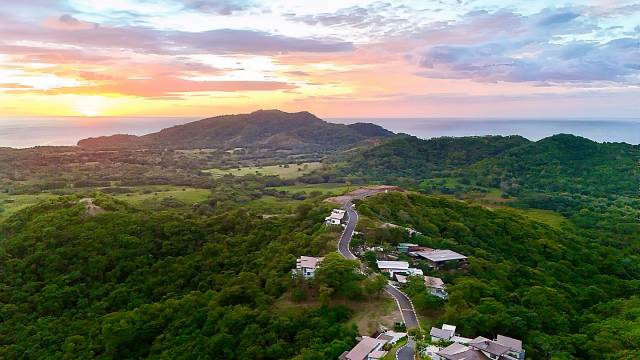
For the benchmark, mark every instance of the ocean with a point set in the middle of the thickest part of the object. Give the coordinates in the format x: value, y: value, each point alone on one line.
x: 28, y: 132
x: 600, y: 130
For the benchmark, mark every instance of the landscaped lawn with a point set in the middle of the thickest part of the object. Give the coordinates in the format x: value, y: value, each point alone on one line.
x: 289, y: 171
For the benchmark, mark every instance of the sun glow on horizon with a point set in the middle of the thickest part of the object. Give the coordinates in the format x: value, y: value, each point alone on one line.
x: 90, y: 105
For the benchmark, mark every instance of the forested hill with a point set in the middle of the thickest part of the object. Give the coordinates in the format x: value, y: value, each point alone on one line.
x: 134, y: 284
x: 263, y: 129
x: 411, y: 157
x: 565, y: 163
x: 566, y: 293
x: 560, y: 163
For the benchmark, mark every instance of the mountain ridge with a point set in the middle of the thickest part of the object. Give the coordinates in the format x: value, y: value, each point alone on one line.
x: 265, y: 129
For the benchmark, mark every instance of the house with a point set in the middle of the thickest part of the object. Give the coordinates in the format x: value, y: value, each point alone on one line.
x: 437, y: 258
x: 435, y: 286
x: 480, y: 348
x: 457, y: 351
x: 336, y: 217
x: 398, y: 267
x: 503, y: 347
x: 367, y: 349
x: 306, y: 266
x: 515, y: 347
x: 445, y: 334
x: 392, y: 267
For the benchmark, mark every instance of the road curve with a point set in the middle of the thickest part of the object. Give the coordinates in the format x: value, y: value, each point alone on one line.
x: 407, y: 352
x: 404, y: 304
x: 347, y: 234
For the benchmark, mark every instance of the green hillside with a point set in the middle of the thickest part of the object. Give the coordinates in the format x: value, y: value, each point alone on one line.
x: 564, y: 163
x: 564, y: 293
x: 130, y: 284
x: 560, y: 163
x: 411, y: 157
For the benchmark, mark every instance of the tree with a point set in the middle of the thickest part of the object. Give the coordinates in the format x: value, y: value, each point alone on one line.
x: 374, y: 284
x: 339, y: 274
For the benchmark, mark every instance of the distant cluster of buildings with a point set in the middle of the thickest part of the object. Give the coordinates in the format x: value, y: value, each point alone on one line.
x: 480, y: 348
x: 336, y: 217
x: 369, y: 348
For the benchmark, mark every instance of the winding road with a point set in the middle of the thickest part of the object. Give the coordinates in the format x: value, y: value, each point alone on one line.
x: 404, y: 304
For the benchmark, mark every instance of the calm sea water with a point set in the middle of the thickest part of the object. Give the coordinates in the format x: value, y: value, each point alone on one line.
x: 601, y: 130
x: 27, y: 132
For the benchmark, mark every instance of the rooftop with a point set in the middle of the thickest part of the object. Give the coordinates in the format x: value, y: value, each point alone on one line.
x: 440, y: 255
x: 364, y: 348
x: 489, y: 346
x: 382, y: 264
x: 468, y: 354
x: 454, y: 348
x: 441, y: 333
x: 434, y: 282
x: 309, y: 261
x: 511, y: 343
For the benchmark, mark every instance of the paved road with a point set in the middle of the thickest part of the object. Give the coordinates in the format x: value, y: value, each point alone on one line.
x: 347, y: 234
x: 406, y: 309
x: 407, y: 352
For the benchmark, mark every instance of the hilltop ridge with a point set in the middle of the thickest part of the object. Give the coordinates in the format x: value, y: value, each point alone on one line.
x: 265, y: 129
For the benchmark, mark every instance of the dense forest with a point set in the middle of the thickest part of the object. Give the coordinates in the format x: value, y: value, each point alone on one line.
x: 130, y: 283
x: 184, y: 260
x: 560, y: 163
x: 565, y: 291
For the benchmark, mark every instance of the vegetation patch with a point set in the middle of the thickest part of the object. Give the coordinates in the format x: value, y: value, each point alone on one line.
x: 286, y: 171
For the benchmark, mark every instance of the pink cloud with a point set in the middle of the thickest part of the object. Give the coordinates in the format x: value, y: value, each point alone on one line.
x: 68, y: 22
x: 168, y: 86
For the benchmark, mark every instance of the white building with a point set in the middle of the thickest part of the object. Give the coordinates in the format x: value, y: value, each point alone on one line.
x: 336, y: 217
x: 398, y: 267
x: 307, y: 265
x: 393, y: 267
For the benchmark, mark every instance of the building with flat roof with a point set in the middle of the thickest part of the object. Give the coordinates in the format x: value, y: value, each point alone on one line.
x: 437, y: 258
x: 336, y: 217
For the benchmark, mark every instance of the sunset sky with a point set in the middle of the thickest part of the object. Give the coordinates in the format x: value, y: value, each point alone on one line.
x: 342, y: 58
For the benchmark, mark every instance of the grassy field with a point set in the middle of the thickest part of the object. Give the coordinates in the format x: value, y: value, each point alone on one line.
x: 545, y: 216
x: 289, y: 171
x: 326, y: 189
x: 9, y: 204
x: 145, y: 196
x: 150, y: 195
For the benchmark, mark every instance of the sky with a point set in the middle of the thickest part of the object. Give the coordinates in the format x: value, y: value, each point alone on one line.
x: 445, y: 58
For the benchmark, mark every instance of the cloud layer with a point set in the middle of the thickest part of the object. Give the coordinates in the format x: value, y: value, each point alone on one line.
x: 331, y: 56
